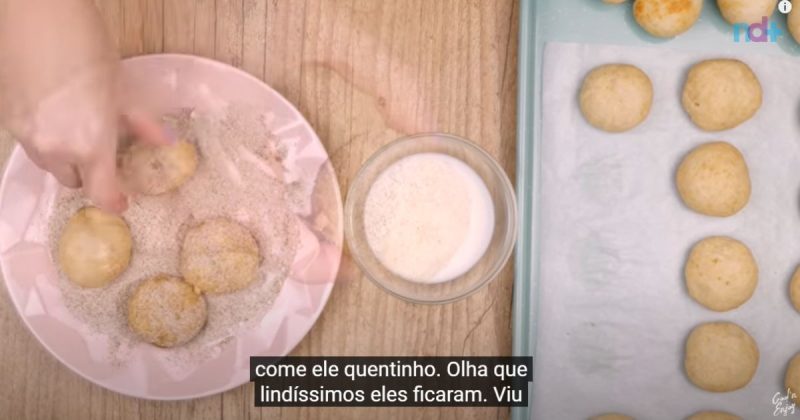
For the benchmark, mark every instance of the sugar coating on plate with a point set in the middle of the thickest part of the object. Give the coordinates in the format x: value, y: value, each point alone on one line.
x: 720, y: 357
x: 721, y: 94
x: 746, y: 11
x: 616, y: 97
x: 713, y: 179
x: 791, y: 380
x: 721, y: 273
x: 667, y: 18
x: 713, y: 415
x: 219, y: 256
x: 154, y: 170
x: 166, y: 311
x: 612, y: 416
x: 793, y: 22
x: 94, y: 248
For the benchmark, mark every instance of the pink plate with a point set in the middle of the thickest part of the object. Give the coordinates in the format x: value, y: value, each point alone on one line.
x: 27, y: 195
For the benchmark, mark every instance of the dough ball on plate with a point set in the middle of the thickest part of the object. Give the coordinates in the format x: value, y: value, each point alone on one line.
x: 166, y: 311
x: 94, y: 248
x: 616, y: 97
x: 713, y: 179
x: 614, y: 1
x: 793, y: 22
x: 720, y: 357
x: 792, y: 379
x: 667, y: 18
x: 794, y: 291
x: 219, y: 256
x: 746, y: 11
x: 713, y: 415
x: 721, y: 273
x: 612, y: 416
x: 154, y: 170
x: 721, y: 94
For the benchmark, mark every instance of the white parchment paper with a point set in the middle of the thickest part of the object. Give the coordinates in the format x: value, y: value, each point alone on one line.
x: 613, y: 308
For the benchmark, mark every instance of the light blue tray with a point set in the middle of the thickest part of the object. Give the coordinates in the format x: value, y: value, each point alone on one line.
x: 591, y: 22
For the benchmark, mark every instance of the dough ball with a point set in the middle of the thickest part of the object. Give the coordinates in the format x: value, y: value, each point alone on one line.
x: 793, y: 22
x: 720, y: 357
x: 616, y: 97
x: 792, y: 379
x: 614, y: 1
x: 94, y: 247
x: 721, y: 273
x: 794, y: 291
x: 713, y: 180
x: 713, y: 415
x: 612, y: 416
x: 154, y: 170
x: 721, y: 94
x: 219, y: 256
x: 166, y: 311
x: 746, y: 11
x: 667, y: 18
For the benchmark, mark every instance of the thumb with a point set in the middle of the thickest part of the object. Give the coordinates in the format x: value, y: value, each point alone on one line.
x: 100, y: 184
x: 147, y: 130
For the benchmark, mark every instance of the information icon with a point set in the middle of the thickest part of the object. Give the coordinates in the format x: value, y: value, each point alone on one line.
x: 785, y: 6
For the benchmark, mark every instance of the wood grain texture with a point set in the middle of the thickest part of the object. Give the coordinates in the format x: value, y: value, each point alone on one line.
x: 363, y: 72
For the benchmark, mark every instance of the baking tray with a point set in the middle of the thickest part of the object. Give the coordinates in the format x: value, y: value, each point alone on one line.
x: 587, y: 22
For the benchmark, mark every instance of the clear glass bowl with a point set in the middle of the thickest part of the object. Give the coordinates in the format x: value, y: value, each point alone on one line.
x: 500, y: 246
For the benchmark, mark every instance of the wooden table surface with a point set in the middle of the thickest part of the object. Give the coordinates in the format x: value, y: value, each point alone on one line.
x: 363, y: 72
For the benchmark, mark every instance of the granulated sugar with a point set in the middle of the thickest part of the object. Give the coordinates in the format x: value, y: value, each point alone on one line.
x: 428, y: 217
x: 239, y: 177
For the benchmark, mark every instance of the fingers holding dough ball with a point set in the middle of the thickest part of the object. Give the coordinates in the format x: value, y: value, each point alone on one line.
x: 746, y: 11
x: 713, y: 179
x: 721, y: 273
x: 616, y: 97
x: 721, y: 94
x: 720, y: 357
x: 166, y: 311
x: 155, y: 170
x: 219, y: 256
x: 667, y: 18
x: 713, y: 415
x: 94, y: 247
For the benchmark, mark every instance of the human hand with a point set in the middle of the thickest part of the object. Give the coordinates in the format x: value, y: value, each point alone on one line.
x: 61, y: 95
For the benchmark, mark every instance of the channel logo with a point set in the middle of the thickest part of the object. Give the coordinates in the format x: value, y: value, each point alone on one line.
x: 764, y: 31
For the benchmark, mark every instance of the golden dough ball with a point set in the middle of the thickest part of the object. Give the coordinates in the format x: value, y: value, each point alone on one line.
x: 792, y: 379
x: 612, y: 416
x: 721, y: 273
x: 746, y: 11
x: 720, y: 357
x: 94, y: 248
x: 713, y: 179
x: 154, y: 170
x: 616, y: 97
x: 713, y: 415
x: 166, y: 311
x: 614, y: 1
x: 667, y: 18
x: 219, y: 256
x: 793, y: 22
x: 721, y: 94
x: 794, y: 291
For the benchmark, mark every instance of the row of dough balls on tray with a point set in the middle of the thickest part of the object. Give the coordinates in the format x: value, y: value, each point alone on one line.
x: 712, y: 179
x: 669, y: 18
x: 217, y: 255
